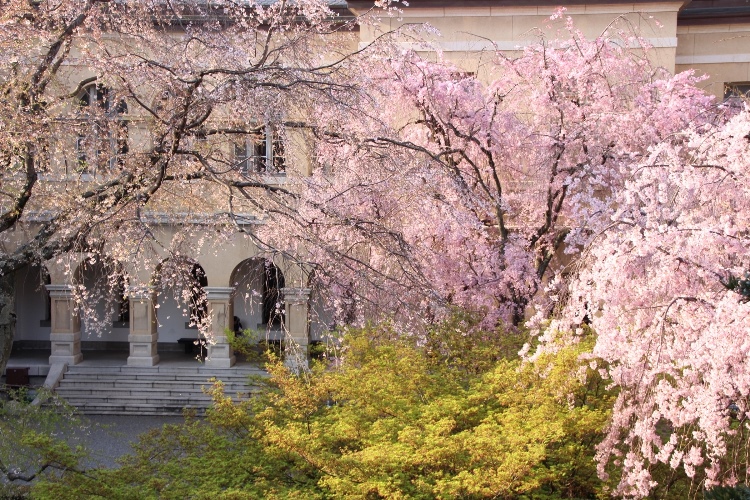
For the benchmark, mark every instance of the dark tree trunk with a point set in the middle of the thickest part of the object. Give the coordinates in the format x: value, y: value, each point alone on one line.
x: 7, y: 318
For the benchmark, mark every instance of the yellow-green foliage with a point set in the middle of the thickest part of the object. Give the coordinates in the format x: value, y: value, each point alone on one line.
x: 453, y: 415
x: 396, y: 420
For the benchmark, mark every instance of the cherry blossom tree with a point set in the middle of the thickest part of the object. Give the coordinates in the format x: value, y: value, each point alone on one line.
x: 119, y: 116
x: 464, y: 190
x: 664, y: 286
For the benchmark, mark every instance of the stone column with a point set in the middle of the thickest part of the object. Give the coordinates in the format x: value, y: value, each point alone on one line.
x: 65, y: 326
x: 221, y: 315
x: 297, y: 326
x: 143, y: 327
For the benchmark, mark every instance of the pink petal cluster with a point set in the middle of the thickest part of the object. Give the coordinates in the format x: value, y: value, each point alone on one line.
x: 676, y: 339
x: 444, y: 189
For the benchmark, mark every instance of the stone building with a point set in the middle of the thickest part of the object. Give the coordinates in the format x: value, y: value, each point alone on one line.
x: 710, y: 36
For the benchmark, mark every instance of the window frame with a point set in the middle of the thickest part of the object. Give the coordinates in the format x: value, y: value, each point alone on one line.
x: 116, y: 141
x: 267, y: 153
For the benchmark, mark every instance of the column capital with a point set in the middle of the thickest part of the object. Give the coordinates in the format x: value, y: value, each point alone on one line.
x: 140, y: 292
x: 218, y: 292
x: 60, y: 291
x: 296, y: 295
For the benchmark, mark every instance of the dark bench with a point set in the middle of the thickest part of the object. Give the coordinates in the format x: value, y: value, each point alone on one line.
x: 190, y: 346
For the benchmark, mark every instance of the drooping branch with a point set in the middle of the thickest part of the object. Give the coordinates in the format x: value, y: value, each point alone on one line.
x: 9, y: 218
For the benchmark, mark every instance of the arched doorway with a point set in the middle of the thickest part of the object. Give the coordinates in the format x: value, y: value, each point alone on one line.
x: 100, y: 285
x: 181, y: 300
x: 258, y: 300
x: 32, y: 308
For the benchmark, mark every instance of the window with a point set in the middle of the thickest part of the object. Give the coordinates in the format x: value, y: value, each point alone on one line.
x: 124, y: 314
x: 734, y: 93
x: 46, y: 280
x: 262, y: 153
x: 103, y: 135
x: 462, y: 75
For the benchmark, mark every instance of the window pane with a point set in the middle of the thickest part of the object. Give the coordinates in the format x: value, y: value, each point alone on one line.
x: 278, y: 154
x: 241, y: 157
x: 738, y: 89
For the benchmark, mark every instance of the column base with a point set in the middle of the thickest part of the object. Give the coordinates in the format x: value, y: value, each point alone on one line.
x: 143, y: 360
x: 143, y: 350
x: 221, y: 362
x: 65, y: 347
x: 220, y: 354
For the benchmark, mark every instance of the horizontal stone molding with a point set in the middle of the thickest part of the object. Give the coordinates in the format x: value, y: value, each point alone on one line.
x: 65, y: 336
x: 140, y: 292
x: 713, y: 59
x: 218, y: 292
x: 139, y: 338
x: 60, y: 291
x: 511, y: 45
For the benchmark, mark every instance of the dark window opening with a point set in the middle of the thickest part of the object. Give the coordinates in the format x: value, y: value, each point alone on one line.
x: 741, y: 89
x: 736, y: 93
x: 46, y: 280
x: 122, y: 304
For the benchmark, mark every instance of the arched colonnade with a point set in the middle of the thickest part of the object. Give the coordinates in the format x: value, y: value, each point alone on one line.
x: 235, y: 281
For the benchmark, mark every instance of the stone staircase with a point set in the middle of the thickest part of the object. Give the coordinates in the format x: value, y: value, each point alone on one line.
x: 130, y: 390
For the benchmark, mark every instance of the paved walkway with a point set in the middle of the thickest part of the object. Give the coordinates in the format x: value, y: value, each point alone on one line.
x: 111, y: 436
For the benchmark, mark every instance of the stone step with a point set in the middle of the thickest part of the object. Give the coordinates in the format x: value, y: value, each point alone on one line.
x: 123, y: 390
x: 69, y: 392
x: 139, y: 370
x: 145, y: 384
x: 137, y: 400
x: 106, y: 377
x: 146, y: 392
x: 140, y: 409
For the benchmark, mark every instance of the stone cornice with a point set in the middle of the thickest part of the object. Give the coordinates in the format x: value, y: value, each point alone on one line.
x: 417, y: 4
x: 703, y: 12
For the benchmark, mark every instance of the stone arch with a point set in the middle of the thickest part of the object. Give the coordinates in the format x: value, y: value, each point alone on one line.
x: 249, y: 297
x: 295, y: 273
x: 257, y: 295
x: 221, y: 258
x: 179, y: 285
x: 101, y: 285
x: 62, y: 269
x: 32, y: 306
